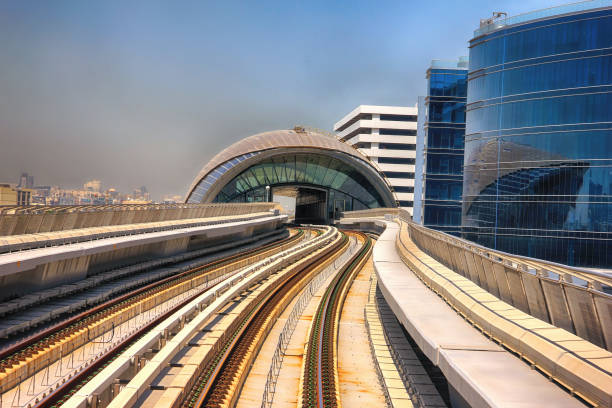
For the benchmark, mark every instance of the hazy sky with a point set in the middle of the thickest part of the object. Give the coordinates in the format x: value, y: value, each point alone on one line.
x: 146, y: 92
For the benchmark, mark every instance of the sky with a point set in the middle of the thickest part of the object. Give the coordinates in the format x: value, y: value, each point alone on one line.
x: 144, y: 93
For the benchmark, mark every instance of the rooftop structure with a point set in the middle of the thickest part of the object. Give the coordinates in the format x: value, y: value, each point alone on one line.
x: 501, y: 19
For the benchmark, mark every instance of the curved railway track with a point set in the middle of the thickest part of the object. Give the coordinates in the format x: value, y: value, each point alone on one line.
x: 222, y: 378
x: 58, y: 333
x: 320, y: 376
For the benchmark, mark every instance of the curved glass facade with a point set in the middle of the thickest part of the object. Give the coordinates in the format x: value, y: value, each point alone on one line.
x: 538, y: 145
x: 341, y: 181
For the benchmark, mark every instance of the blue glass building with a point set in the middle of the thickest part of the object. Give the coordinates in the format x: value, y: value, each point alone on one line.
x: 444, y: 131
x: 538, y: 144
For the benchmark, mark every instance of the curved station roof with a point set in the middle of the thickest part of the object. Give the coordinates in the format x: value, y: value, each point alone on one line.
x: 290, y: 158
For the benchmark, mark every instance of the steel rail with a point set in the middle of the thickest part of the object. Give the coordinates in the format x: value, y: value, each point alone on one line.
x: 79, y: 318
x: 212, y: 385
x: 320, y: 387
x: 292, y: 321
x: 23, y: 349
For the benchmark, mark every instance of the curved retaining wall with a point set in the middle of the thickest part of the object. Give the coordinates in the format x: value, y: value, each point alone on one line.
x: 470, y: 366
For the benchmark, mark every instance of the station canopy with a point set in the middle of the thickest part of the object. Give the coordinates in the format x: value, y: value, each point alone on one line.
x: 254, y: 168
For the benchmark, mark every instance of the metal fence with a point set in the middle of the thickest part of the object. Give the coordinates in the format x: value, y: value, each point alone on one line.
x: 285, y: 336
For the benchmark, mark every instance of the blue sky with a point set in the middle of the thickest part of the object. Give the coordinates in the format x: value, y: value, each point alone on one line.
x: 146, y: 92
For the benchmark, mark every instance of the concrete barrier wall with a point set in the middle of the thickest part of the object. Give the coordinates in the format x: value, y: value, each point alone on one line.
x: 583, y: 310
x: 577, y: 364
x: 36, y: 219
x: 19, y: 276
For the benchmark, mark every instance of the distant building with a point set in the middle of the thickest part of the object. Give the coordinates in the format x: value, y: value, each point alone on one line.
x: 14, y: 195
x: 141, y: 194
x: 440, y: 142
x: 173, y: 199
x: 26, y: 181
x: 387, y: 136
x: 538, y: 143
x: 93, y: 185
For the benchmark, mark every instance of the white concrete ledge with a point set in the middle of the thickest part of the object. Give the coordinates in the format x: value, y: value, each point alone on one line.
x: 482, y: 372
x: 16, y: 262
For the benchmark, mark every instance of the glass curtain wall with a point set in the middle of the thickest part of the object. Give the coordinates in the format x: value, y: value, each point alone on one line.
x: 346, y: 187
x: 538, y: 145
x: 443, y: 146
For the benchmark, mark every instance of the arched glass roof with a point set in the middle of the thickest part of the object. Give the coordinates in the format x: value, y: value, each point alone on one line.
x: 265, y: 159
x: 302, y: 169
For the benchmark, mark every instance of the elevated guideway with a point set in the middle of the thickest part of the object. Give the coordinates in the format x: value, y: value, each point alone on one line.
x: 44, y: 260
x: 475, y: 321
x: 42, y: 368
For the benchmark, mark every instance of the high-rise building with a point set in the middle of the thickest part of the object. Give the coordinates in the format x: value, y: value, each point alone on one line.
x: 387, y: 136
x: 538, y: 144
x: 441, y: 130
x: 26, y: 181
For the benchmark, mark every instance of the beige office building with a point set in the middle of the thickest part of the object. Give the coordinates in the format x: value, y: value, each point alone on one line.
x: 387, y: 136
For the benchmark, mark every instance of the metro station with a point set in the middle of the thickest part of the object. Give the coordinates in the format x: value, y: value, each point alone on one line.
x: 315, y: 175
x: 452, y: 254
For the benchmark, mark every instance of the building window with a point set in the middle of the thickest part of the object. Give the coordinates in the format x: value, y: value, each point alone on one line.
x: 397, y: 146
x: 399, y: 174
x: 405, y: 203
x: 361, y: 116
x: 398, y: 132
x: 360, y: 131
x: 403, y: 189
x: 396, y: 160
x: 399, y: 118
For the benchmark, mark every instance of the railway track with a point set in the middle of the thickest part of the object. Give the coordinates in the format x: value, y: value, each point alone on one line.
x: 220, y: 381
x: 320, y: 370
x: 29, y: 356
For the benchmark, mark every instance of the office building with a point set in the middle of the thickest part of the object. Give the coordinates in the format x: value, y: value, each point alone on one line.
x: 441, y: 131
x: 387, y: 136
x: 538, y: 144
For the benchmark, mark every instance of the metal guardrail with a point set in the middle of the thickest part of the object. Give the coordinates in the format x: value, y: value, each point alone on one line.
x: 291, y: 322
x: 576, y: 300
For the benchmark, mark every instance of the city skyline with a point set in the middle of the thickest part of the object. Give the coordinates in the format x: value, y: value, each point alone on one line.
x: 115, y: 89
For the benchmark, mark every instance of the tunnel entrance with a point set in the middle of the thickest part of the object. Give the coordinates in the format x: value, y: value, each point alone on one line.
x: 311, y: 206
x: 306, y: 205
